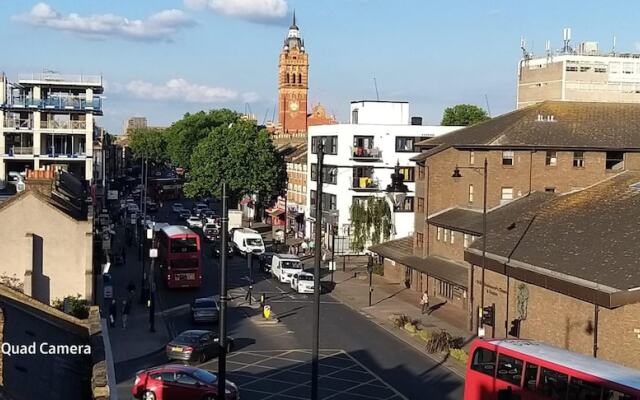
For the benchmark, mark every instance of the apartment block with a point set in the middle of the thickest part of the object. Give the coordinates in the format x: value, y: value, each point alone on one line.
x: 48, y: 122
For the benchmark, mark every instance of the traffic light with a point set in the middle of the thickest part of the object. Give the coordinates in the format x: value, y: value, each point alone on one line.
x: 515, y: 328
x: 488, y: 315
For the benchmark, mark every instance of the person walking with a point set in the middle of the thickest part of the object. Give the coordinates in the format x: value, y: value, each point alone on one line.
x: 113, y: 311
x: 424, y: 302
x: 126, y: 309
x: 304, y: 246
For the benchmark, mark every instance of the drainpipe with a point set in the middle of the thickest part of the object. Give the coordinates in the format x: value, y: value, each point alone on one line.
x: 596, y: 312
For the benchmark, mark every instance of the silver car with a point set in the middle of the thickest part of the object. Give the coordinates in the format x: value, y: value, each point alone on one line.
x: 204, y: 310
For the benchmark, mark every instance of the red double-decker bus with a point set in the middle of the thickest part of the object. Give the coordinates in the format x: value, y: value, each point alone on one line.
x: 530, y: 370
x: 179, y: 256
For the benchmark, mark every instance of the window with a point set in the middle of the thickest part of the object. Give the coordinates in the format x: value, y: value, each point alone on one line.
x: 551, y: 159
x: 530, y: 376
x: 330, y: 144
x: 572, y: 68
x: 507, y: 193
x: 507, y: 157
x: 421, y: 171
x: 509, y: 369
x: 581, y: 390
x: 446, y: 235
x: 452, y: 236
x: 330, y: 175
x: 472, y: 157
x: 578, y: 159
x: 484, y: 360
x: 185, y: 379
x: 614, y: 160
x: 550, y: 189
x: 405, y: 144
x: 438, y: 233
x: 470, y: 193
x: 407, y: 205
x: 600, y: 69
x: 420, y: 204
x: 354, y: 116
x: 419, y: 240
x: 552, y: 384
x: 610, y: 394
x: 585, y: 69
x: 408, y: 173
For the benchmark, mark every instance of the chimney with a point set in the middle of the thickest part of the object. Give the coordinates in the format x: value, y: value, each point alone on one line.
x: 416, y: 120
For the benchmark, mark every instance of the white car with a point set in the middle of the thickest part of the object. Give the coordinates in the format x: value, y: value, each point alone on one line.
x: 302, y: 282
x: 194, y: 222
x: 177, y: 207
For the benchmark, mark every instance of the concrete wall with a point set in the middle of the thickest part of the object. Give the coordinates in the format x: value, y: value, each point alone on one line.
x: 380, y: 113
x: 36, y: 234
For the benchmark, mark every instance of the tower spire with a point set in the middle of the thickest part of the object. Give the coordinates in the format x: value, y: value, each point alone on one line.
x: 293, y: 25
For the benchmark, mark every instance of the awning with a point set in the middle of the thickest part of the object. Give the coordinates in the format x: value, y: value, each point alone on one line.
x: 401, y: 251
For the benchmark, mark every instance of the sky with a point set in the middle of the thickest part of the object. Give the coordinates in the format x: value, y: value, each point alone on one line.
x: 163, y: 58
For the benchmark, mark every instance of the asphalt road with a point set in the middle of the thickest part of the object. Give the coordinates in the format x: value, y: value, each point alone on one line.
x: 344, y: 331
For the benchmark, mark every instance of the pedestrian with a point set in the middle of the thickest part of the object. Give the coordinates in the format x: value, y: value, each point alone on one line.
x: 304, y: 246
x: 424, y: 302
x: 312, y: 248
x: 113, y: 311
x: 126, y: 309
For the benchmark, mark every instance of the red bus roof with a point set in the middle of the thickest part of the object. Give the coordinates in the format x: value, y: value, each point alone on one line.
x: 578, y: 362
x: 176, y: 231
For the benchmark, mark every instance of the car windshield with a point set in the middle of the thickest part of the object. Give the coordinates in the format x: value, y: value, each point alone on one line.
x: 210, y: 226
x: 305, y: 277
x: 205, y: 304
x: 254, y: 242
x: 205, y: 376
x: 187, y: 337
x: 292, y: 265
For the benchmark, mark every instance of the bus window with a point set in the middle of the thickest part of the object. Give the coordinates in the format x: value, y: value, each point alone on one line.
x: 484, y: 360
x: 581, y: 390
x: 553, y: 384
x: 530, y: 376
x: 509, y: 369
x: 610, y: 394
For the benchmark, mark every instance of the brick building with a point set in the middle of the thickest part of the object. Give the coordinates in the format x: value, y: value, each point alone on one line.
x: 551, y: 147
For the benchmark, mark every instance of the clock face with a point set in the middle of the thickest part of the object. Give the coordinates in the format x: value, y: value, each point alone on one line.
x: 293, y: 106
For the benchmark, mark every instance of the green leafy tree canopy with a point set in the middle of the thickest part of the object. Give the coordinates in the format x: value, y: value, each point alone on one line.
x: 239, y: 153
x: 463, y: 115
x: 149, y: 143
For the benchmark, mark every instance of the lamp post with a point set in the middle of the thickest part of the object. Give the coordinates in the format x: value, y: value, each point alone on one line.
x: 153, y: 254
x: 457, y: 175
x: 370, y: 271
x: 315, y: 346
x: 396, y: 192
x: 222, y: 341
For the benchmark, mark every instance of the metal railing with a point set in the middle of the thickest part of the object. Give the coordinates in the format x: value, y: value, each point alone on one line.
x: 18, y: 123
x: 69, y: 124
x: 66, y: 78
x: 373, y: 153
x: 19, y: 150
x: 58, y: 102
x: 365, y: 183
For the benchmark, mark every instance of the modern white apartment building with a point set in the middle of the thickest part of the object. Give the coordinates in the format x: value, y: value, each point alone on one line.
x: 47, y: 122
x: 360, y: 158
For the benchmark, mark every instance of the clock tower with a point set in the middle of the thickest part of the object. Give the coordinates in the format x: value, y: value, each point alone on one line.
x: 293, y: 87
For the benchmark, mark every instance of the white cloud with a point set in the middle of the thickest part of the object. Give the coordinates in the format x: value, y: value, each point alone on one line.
x: 252, y: 10
x: 178, y: 89
x: 158, y: 26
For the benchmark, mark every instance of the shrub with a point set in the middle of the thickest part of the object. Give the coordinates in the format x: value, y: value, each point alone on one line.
x: 410, y: 327
x: 400, y: 320
x: 442, y: 342
x: 424, y: 335
x: 459, y: 354
x: 75, y: 306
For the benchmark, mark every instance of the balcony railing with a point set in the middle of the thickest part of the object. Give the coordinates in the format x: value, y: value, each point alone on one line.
x: 365, y: 183
x: 19, y: 150
x: 17, y: 123
x: 62, y: 153
x: 365, y: 153
x: 58, y: 102
x: 62, y: 78
x: 53, y: 124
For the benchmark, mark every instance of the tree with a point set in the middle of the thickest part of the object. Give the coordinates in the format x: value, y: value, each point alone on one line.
x: 463, y: 115
x: 370, y: 221
x: 184, y: 135
x: 240, y: 154
x: 149, y: 143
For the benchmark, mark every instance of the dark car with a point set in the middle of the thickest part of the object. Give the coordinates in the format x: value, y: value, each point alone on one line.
x: 216, y: 246
x: 265, y: 261
x: 205, y: 310
x: 195, y: 346
x: 211, y: 232
x: 171, y: 382
x: 185, y: 214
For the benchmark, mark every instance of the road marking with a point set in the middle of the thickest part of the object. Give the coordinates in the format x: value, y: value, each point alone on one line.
x: 181, y: 307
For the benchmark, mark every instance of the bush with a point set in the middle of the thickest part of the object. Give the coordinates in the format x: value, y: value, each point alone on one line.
x: 76, y: 306
x: 410, y: 327
x: 400, y: 320
x: 442, y: 342
x: 459, y: 354
x: 424, y: 335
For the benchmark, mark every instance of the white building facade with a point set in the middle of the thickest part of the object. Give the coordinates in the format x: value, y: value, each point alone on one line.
x: 359, y: 159
x: 47, y: 122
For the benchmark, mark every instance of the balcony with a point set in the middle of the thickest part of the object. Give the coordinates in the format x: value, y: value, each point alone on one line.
x: 63, y: 124
x: 365, y: 184
x: 359, y: 153
x: 17, y: 123
x: 69, y: 146
x: 56, y: 103
x: 19, y: 151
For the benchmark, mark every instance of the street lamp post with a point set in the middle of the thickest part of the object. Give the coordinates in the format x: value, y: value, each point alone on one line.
x: 396, y: 192
x: 315, y: 346
x: 153, y: 254
x: 222, y: 340
x: 370, y: 271
x: 250, y: 254
x: 456, y: 175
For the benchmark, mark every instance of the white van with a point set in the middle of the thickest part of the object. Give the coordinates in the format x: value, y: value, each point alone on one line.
x: 247, y: 240
x: 284, y: 266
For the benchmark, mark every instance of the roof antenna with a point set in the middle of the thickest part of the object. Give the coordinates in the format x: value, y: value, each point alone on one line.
x: 375, y: 83
x: 547, y: 47
x: 486, y: 99
x: 613, y: 50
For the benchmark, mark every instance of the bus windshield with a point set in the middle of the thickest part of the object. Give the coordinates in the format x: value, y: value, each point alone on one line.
x: 291, y: 265
x: 184, y: 245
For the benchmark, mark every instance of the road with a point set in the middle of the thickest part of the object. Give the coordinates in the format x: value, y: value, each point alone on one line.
x: 376, y: 364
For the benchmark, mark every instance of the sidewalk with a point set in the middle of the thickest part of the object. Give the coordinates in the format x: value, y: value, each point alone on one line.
x: 390, y: 299
x: 136, y: 341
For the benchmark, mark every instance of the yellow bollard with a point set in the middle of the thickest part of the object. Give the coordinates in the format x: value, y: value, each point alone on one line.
x: 267, y: 312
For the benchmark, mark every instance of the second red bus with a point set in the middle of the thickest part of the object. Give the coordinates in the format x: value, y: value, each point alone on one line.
x: 179, y: 257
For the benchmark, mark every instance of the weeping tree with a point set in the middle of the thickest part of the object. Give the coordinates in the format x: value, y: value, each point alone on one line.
x: 370, y: 222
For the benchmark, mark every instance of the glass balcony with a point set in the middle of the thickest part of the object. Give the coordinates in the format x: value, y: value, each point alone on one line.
x: 63, y: 124
x: 18, y: 123
x: 19, y: 151
x: 365, y: 184
x: 365, y: 153
x: 56, y: 103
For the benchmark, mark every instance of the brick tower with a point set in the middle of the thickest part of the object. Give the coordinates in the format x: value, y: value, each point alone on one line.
x: 293, y: 84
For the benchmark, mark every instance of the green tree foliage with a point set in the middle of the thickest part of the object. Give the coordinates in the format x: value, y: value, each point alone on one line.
x: 184, y: 135
x: 463, y: 115
x: 370, y: 222
x: 239, y: 153
x: 149, y: 143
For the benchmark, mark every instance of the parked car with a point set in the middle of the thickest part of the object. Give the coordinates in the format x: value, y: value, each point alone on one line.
x: 170, y: 382
x: 264, y: 261
x: 302, y: 282
x: 205, y: 309
x: 185, y: 214
x: 194, y: 222
x: 177, y: 207
x: 195, y: 346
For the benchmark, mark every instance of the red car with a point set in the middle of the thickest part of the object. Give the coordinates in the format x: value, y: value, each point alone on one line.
x: 179, y: 382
